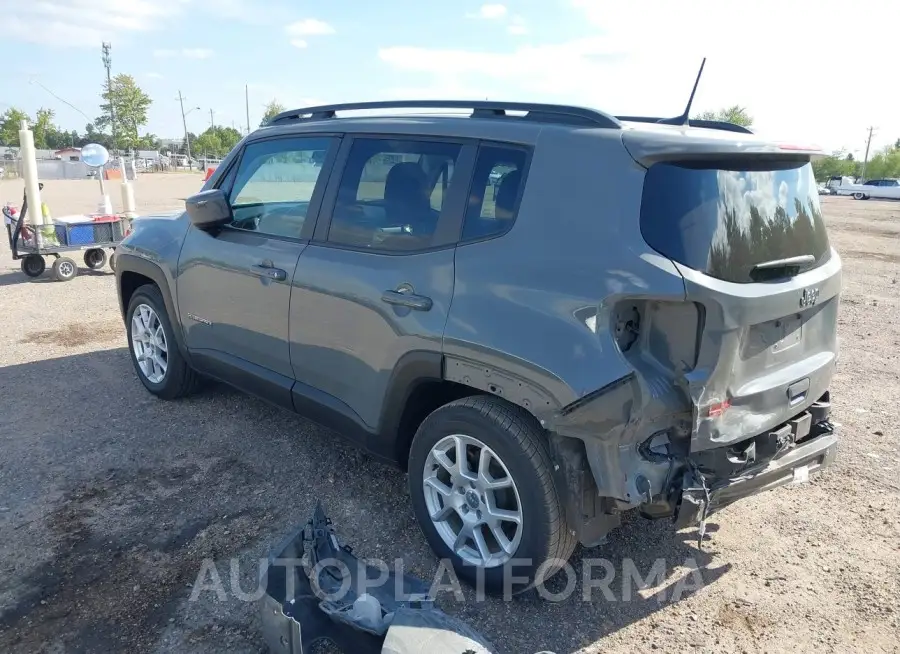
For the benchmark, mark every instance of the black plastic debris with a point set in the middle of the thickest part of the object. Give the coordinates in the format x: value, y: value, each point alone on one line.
x: 318, y: 590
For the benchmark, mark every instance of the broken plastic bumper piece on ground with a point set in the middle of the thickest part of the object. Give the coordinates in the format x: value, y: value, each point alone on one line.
x: 317, y: 590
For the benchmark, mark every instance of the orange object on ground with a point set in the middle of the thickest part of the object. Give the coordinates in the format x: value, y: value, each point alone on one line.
x: 209, y: 172
x: 112, y: 174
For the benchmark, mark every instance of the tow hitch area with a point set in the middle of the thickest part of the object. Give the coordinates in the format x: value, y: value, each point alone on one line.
x: 317, y: 590
x: 799, y: 453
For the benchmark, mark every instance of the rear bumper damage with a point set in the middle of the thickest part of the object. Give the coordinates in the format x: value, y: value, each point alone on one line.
x: 700, y: 498
x: 663, y: 478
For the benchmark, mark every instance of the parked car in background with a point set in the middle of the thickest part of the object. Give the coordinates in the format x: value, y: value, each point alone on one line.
x: 884, y: 189
x: 547, y: 318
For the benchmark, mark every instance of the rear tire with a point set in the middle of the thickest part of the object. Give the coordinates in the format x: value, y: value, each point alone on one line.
x: 95, y: 258
x: 517, y: 451
x: 150, y: 335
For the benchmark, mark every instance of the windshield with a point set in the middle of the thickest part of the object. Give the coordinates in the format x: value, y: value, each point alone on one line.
x: 726, y: 221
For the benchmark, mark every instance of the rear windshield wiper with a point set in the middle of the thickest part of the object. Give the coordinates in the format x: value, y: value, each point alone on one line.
x: 789, y: 262
x: 770, y: 270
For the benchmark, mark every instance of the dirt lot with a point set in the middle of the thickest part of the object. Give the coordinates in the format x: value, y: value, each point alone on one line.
x: 110, y: 500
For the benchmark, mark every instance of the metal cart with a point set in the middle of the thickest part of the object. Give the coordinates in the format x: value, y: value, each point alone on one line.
x: 30, y: 243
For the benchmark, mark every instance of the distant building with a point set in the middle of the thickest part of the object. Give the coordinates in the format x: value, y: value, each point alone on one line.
x: 68, y: 154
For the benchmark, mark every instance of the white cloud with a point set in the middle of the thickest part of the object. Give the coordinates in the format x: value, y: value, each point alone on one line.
x: 309, y: 27
x: 197, y: 53
x: 517, y: 26
x: 299, y: 43
x: 187, y: 53
x: 84, y: 23
x: 489, y: 12
x: 777, y: 61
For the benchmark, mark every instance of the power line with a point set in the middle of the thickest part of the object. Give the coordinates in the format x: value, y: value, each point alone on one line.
x: 66, y: 102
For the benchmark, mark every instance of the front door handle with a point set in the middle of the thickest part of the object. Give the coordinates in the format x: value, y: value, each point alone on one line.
x: 269, y: 273
x: 408, y: 300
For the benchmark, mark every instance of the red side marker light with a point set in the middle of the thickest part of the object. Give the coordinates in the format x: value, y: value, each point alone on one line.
x: 715, y: 410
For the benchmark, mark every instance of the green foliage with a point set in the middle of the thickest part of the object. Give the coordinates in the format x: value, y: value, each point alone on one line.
x: 216, y: 141
x: 10, y: 120
x: 838, y: 164
x: 736, y: 115
x: 884, y: 163
x: 129, y: 104
x: 43, y: 124
x: 272, y: 109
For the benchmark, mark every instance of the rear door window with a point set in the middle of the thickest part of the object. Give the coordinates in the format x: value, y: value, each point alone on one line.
x: 726, y: 221
x: 495, y: 192
x: 392, y: 193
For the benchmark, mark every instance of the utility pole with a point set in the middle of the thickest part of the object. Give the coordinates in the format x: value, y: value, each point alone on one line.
x: 212, y: 125
x: 187, y: 138
x: 866, y: 160
x: 247, y: 103
x: 107, y: 62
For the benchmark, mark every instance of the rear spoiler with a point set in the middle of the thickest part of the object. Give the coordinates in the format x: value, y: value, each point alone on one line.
x: 648, y: 147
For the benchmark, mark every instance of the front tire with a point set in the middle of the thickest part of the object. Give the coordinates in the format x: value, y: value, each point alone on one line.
x: 154, y: 352
x: 64, y: 269
x: 500, y: 514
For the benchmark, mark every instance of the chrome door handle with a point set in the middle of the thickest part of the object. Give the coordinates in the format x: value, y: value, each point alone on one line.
x: 408, y: 300
x: 269, y: 273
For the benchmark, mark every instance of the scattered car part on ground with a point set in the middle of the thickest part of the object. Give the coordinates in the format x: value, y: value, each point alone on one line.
x: 312, y: 594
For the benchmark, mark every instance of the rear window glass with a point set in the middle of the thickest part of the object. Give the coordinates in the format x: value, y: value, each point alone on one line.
x: 725, y: 221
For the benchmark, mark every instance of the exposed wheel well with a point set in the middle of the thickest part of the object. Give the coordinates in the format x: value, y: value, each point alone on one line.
x: 425, y: 398
x: 130, y: 282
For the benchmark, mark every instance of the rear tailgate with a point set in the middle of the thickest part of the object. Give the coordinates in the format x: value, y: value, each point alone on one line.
x: 742, y: 222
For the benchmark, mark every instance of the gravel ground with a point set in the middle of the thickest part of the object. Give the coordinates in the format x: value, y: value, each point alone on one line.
x: 110, y: 500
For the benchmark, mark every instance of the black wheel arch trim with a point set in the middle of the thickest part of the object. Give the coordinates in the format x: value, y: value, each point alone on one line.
x: 130, y: 263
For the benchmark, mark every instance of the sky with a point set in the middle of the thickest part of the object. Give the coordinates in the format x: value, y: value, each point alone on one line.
x: 811, y: 71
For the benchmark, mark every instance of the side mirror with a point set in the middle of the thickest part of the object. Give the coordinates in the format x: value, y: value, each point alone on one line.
x: 209, y: 209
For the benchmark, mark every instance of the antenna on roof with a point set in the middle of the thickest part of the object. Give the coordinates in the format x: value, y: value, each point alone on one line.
x: 684, y: 118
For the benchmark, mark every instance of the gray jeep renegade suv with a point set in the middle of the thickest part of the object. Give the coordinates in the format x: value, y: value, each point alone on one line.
x: 545, y: 314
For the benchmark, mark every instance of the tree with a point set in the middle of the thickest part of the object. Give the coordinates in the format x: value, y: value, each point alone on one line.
x: 129, y: 104
x: 837, y: 164
x: 44, y: 129
x: 208, y: 144
x: 10, y: 122
x: 736, y: 115
x: 272, y: 109
x: 216, y: 141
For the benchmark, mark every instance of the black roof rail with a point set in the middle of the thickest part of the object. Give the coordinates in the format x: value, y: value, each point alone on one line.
x: 693, y: 122
x: 480, y: 109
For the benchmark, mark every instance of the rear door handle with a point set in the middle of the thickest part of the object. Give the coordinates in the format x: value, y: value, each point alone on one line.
x: 408, y: 300
x: 268, y: 272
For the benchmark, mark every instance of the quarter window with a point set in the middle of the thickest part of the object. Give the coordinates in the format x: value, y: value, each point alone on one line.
x: 496, y: 190
x: 392, y: 193
x: 275, y: 182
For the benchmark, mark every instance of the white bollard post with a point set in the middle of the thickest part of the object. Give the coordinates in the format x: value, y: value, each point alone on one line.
x: 127, y: 192
x: 128, y: 200
x: 29, y: 172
